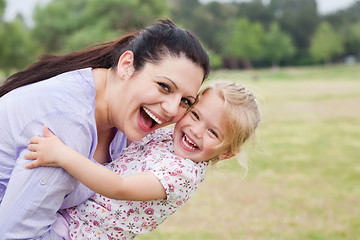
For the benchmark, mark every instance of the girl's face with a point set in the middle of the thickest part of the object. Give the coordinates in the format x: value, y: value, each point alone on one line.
x: 156, y: 96
x: 202, y: 129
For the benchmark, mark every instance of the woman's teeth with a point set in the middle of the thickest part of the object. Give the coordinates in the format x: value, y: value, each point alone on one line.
x: 188, y: 143
x: 152, y: 116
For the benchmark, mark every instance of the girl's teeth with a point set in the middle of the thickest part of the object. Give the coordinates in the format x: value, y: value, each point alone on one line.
x: 152, y: 116
x: 186, y: 140
x: 190, y: 141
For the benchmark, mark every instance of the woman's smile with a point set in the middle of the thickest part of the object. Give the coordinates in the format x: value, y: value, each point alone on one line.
x: 147, y: 120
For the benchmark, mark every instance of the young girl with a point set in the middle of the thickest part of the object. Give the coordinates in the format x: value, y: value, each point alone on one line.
x: 159, y: 173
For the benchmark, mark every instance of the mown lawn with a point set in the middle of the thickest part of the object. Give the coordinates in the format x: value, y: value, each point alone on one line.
x: 304, y: 173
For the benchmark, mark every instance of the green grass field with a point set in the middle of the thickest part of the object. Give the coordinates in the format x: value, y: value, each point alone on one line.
x: 304, y: 173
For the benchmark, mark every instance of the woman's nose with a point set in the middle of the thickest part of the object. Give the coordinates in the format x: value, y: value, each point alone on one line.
x: 171, y: 106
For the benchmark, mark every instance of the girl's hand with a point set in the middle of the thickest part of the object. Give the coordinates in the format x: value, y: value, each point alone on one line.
x: 46, y: 151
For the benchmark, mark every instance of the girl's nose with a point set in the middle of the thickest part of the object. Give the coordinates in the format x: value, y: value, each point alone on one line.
x: 196, y: 130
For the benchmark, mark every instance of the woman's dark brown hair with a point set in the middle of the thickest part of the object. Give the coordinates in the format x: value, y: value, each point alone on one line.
x: 148, y: 45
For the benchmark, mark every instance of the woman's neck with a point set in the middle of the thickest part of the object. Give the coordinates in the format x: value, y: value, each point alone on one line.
x: 105, y: 131
x: 101, y: 79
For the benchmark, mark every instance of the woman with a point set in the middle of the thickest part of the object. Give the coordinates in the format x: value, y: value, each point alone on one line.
x: 94, y: 101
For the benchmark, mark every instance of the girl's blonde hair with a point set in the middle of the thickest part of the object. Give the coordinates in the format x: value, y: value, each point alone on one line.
x: 243, y: 114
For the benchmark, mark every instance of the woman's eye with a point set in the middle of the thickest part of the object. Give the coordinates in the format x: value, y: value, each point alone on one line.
x: 213, y: 133
x: 186, y: 103
x: 164, y: 86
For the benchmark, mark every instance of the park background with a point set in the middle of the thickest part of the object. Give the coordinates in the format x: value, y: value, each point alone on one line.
x: 303, y: 181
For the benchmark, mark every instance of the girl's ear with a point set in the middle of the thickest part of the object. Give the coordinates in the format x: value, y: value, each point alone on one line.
x: 226, y: 155
x: 125, y: 67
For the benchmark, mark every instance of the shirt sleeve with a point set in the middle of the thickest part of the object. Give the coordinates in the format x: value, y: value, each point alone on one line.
x: 179, y: 178
x: 33, y: 197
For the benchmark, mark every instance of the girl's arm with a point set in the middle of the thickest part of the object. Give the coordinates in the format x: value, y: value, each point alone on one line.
x: 50, y: 151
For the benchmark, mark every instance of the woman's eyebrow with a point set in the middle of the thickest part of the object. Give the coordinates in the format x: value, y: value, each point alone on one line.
x: 192, y: 97
x: 176, y: 87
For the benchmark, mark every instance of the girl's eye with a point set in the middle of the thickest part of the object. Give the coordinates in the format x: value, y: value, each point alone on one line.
x: 185, y: 102
x: 194, y: 115
x: 164, y: 86
x: 213, y: 133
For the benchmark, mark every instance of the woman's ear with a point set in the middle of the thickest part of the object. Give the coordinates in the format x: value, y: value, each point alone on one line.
x: 226, y: 155
x: 125, y: 67
x: 131, y: 71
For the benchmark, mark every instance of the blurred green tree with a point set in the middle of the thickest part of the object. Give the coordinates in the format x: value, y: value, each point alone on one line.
x: 299, y: 18
x: 326, y: 43
x: 255, y: 11
x: 346, y: 23
x: 278, y: 44
x: 17, y: 49
x: 353, y: 43
x: 2, y: 8
x: 65, y: 25
x: 246, y: 41
x: 215, y: 30
x: 199, y: 18
x: 184, y: 11
x: 215, y: 59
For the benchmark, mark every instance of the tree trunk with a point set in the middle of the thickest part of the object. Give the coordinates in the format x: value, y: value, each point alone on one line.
x: 247, y: 64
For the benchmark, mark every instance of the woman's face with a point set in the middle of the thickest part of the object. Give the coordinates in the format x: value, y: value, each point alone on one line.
x: 156, y: 96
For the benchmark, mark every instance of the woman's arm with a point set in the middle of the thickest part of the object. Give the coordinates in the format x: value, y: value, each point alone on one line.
x: 50, y: 151
x: 43, y: 190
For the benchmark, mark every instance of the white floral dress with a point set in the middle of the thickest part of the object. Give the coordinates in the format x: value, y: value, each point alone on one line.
x: 104, y: 218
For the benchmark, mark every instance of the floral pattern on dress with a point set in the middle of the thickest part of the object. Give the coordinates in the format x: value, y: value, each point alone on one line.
x: 104, y: 218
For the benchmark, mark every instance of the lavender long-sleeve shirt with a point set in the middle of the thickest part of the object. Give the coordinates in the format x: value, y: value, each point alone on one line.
x: 29, y: 199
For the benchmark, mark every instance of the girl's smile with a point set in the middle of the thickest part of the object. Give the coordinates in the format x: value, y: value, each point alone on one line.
x: 187, y: 144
